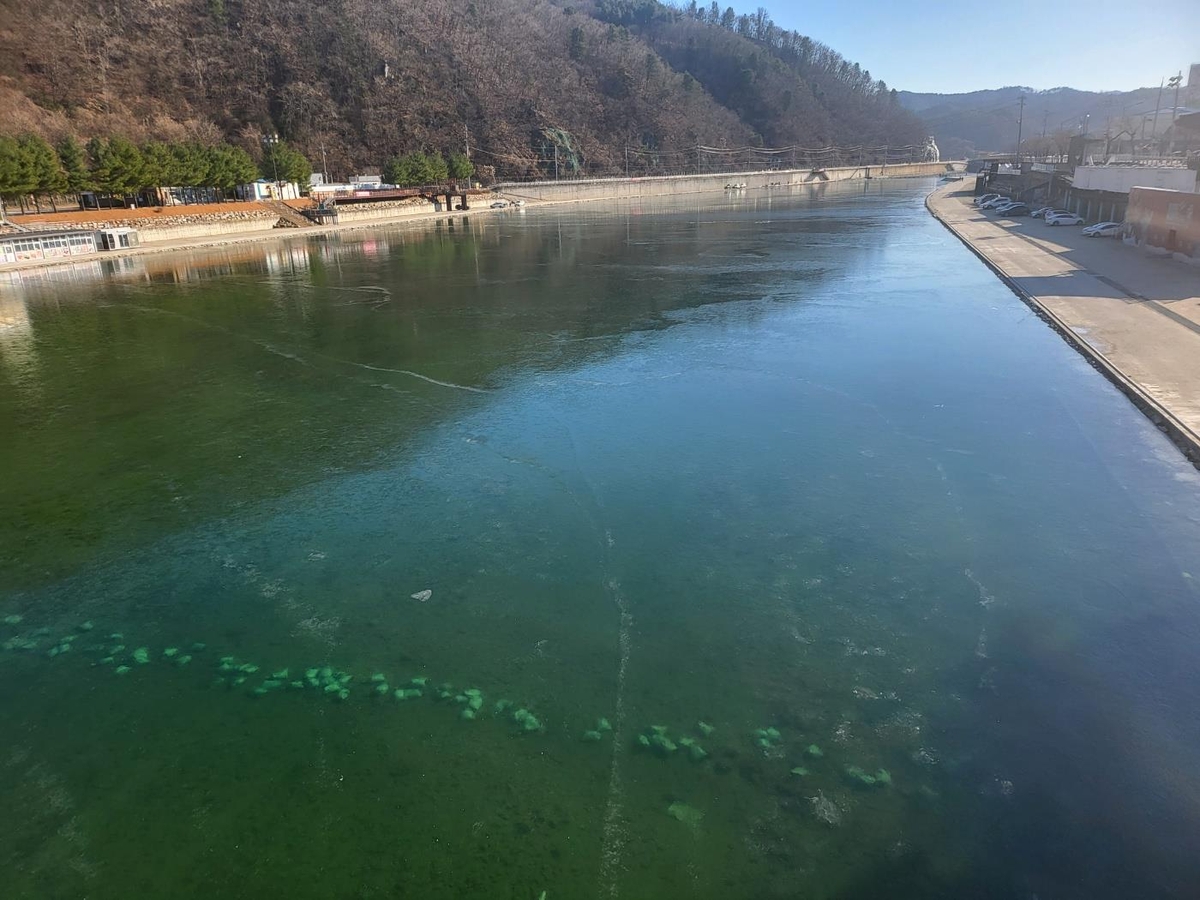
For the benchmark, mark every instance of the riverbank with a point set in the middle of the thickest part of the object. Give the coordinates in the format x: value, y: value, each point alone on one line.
x: 533, y: 193
x: 1136, y: 318
x: 588, y: 189
x: 251, y: 235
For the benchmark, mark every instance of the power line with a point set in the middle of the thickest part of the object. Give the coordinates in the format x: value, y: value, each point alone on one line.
x: 701, y: 157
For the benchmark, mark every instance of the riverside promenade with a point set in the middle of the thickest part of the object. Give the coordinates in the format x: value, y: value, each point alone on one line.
x: 1136, y: 317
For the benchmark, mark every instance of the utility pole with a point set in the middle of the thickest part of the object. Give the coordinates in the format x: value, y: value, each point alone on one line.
x: 271, y: 141
x: 1157, y: 106
x: 1020, y: 125
x: 467, y: 149
x: 626, y: 162
x: 556, y: 162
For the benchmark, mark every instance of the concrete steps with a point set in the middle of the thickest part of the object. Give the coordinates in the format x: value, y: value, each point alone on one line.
x: 288, y: 217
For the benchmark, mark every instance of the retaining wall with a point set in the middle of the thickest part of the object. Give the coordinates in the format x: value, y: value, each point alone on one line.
x: 617, y: 188
x: 374, y: 212
x: 203, y: 230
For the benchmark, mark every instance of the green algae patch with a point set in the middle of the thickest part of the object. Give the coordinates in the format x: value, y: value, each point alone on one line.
x: 767, y: 738
x: 527, y: 720
x: 688, y: 815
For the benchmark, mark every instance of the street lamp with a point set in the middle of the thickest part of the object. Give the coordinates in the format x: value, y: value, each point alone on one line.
x: 1174, y: 82
x: 272, y: 141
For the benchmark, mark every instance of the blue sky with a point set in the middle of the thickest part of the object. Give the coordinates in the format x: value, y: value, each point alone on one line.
x: 1100, y: 45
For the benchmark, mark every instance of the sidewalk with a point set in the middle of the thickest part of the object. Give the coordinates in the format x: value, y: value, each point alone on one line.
x: 1137, y: 317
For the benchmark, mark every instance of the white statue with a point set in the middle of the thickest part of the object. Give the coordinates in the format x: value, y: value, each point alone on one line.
x: 929, y: 152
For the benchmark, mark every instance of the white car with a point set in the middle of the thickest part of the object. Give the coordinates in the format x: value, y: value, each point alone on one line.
x: 994, y: 202
x: 1068, y: 219
x: 979, y: 201
x: 1103, y: 229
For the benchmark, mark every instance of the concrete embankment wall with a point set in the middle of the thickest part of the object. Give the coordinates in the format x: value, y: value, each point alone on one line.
x: 348, y: 215
x: 204, y: 230
x: 618, y: 188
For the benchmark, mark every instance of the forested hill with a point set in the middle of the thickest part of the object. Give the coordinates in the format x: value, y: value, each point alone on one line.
x: 366, y: 79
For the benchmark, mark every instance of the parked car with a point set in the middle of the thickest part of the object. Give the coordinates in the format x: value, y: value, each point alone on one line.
x: 993, y: 203
x: 1014, y: 209
x: 1041, y: 211
x: 979, y: 201
x: 1103, y: 229
x: 499, y: 204
x: 1065, y: 219
x: 1050, y: 211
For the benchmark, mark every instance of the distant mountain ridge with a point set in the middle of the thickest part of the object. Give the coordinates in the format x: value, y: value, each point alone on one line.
x: 983, y: 121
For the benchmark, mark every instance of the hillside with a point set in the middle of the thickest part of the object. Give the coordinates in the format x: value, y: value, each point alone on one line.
x: 366, y: 79
x: 983, y: 121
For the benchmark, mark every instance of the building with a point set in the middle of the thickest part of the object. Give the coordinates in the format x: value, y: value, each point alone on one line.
x: 268, y: 190
x: 117, y: 238
x: 33, y: 245
x: 1164, y: 222
x: 1101, y: 193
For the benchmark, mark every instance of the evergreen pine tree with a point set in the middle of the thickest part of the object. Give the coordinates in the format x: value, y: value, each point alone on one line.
x: 74, y: 165
x: 45, y: 170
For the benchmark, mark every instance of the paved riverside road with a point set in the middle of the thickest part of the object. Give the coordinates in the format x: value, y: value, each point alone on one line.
x: 1139, y: 315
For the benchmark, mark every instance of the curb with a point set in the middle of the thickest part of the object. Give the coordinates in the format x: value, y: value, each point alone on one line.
x: 1187, y: 441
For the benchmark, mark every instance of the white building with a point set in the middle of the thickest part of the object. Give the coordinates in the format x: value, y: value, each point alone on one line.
x: 268, y: 190
x: 1120, y: 179
x: 33, y: 245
